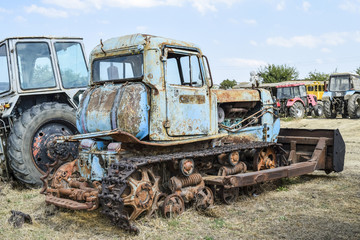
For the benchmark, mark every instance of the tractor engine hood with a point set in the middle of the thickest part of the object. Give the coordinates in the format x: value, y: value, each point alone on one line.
x: 115, y: 106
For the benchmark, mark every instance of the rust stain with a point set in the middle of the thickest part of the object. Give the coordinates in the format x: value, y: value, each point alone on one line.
x: 192, y: 99
x: 237, y: 95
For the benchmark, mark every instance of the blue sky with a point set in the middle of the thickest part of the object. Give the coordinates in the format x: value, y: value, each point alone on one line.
x: 238, y: 36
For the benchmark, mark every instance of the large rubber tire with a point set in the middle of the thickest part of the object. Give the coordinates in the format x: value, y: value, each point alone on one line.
x: 297, y: 110
x: 38, y: 125
x: 354, y: 106
x: 328, y: 110
x: 318, y: 110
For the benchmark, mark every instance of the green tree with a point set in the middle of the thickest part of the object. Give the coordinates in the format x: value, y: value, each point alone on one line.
x: 317, y: 76
x: 358, y: 71
x: 277, y: 73
x: 227, y: 84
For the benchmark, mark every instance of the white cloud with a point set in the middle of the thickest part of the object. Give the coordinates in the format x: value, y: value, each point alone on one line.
x: 242, y: 62
x: 216, y: 42
x: 250, y: 21
x: 141, y: 29
x: 203, y: 6
x: 233, y: 21
x: 350, y: 6
x: 104, y: 22
x: 20, y: 19
x: 281, y: 5
x: 319, y: 61
x: 3, y: 10
x: 357, y: 36
x: 325, y: 50
x: 74, y: 4
x: 310, y: 41
x: 254, y: 43
x: 48, y: 12
x: 306, y: 6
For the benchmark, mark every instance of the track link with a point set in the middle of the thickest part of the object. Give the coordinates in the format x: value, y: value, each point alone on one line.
x: 116, y: 181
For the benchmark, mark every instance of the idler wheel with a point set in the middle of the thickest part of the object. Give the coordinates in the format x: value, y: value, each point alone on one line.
x: 173, y: 206
x: 264, y: 159
x: 204, y: 199
x: 157, y: 205
x: 187, y: 167
x: 230, y: 195
x: 234, y: 158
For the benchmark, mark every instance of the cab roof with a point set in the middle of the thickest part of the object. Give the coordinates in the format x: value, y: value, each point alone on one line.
x: 290, y: 85
x: 344, y: 74
x: 42, y: 37
x: 134, y: 40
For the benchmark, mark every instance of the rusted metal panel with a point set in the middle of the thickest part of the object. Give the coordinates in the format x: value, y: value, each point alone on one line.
x: 122, y: 106
x: 237, y: 95
x: 190, y: 115
x: 124, y: 137
x: 67, y: 203
x: 305, y: 142
x: 114, y: 45
x: 251, y: 178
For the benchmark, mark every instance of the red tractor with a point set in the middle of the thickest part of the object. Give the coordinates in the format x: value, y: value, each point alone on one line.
x: 293, y: 101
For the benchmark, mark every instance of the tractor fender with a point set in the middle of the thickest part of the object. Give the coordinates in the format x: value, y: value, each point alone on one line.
x: 312, y: 100
x: 292, y: 101
x: 327, y: 96
x: 348, y: 94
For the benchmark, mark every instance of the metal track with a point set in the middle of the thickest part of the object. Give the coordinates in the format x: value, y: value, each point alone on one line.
x: 115, y: 183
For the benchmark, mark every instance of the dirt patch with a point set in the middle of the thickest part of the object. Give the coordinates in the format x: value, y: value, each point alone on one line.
x: 314, y: 206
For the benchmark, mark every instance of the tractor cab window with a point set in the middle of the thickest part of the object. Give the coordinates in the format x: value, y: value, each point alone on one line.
x: 302, y: 90
x: 339, y: 83
x: 183, y: 70
x: 283, y: 93
x: 123, y: 68
x: 296, y: 92
x: 356, y: 82
x: 4, y: 70
x: 35, y: 65
x: 72, y: 65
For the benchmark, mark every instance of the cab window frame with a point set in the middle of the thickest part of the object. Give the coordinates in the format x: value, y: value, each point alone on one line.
x: 8, y: 68
x: 173, y: 53
x: 58, y: 64
x: 51, y: 62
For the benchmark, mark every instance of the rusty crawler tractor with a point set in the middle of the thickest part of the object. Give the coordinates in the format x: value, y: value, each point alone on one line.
x: 41, y: 80
x: 156, y: 138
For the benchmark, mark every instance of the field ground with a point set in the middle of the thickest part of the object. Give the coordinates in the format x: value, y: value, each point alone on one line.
x: 314, y: 206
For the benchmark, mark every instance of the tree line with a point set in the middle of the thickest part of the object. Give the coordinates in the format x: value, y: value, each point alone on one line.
x: 272, y: 73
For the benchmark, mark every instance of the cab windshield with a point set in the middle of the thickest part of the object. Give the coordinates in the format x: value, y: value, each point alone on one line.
x: 339, y: 83
x: 120, y: 68
x: 288, y: 92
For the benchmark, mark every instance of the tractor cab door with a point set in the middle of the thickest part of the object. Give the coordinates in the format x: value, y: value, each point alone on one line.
x: 187, y: 94
x: 355, y: 82
x: 303, y: 95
